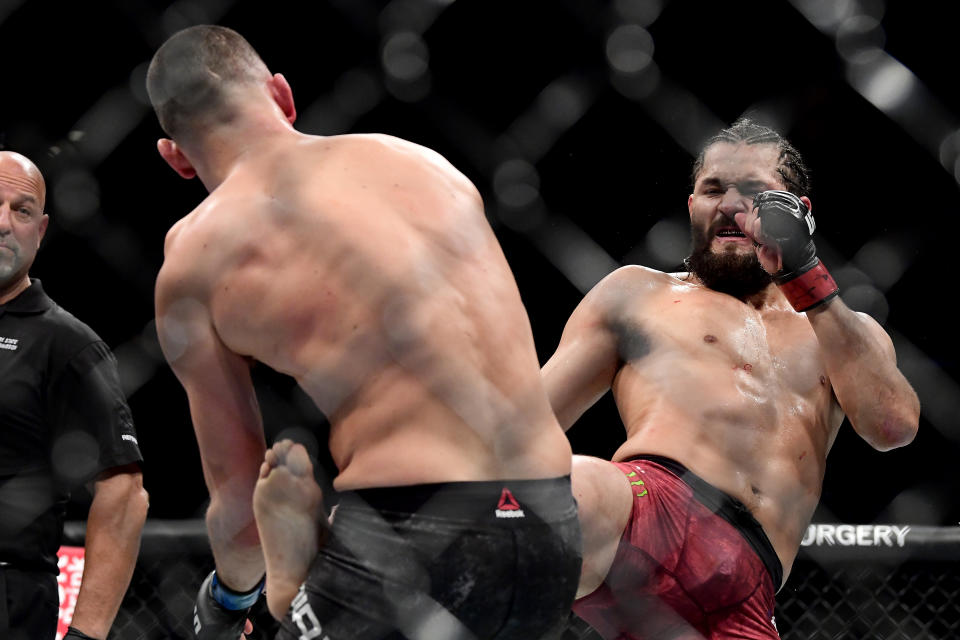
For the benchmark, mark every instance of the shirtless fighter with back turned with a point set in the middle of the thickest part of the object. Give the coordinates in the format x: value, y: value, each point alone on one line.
x: 732, y: 385
x: 363, y: 266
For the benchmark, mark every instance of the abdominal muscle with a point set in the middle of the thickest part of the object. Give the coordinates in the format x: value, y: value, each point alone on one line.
x: 756, y: 448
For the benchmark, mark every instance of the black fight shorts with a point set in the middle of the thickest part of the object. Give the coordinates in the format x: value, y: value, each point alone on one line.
x: 452, y: 561
x: 29, y: 604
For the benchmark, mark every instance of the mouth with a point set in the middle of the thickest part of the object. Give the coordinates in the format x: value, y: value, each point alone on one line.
x: 730, y: 234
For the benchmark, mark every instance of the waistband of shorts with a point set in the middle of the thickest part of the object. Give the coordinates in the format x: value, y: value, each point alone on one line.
x: 727, y: 507
x: 551, y: 499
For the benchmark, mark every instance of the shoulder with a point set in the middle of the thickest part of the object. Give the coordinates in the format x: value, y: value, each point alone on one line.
x: 185, y: 250
x: 634, y: 280
x: 617, y: 295
x: 65, y: 329
x: 404, y: 151
x: 186, y: 231
x: 70, y: 340
x: 389, y: 144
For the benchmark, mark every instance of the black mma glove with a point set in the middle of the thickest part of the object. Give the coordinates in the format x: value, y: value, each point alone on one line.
x: 803, y: 279
x: 220, y: 612
x: 73, y: 634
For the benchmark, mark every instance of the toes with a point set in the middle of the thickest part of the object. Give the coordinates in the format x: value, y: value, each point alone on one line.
x: 298, y: 460
x: 271, y: 458
x: 289, y: 454
x: 282, y: 448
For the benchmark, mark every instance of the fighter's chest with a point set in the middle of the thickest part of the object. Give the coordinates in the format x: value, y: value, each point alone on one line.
x: 717, y: 334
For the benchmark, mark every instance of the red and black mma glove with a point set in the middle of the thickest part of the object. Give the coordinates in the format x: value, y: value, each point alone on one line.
x: 803, y: 279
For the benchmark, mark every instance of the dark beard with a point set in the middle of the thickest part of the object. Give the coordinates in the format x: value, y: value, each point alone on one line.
x: 735, y: 274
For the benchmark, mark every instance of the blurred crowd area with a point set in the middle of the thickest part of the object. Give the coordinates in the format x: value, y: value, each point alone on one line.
x: 578, y: 121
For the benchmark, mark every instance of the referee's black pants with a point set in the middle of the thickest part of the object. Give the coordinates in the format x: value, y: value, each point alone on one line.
x: 29, y: 604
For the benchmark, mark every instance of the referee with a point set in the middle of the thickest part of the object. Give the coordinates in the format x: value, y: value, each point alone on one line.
x: 64, y: 423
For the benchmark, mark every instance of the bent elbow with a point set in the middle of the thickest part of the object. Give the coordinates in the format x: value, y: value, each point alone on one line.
x: 136, y: 501
x: 896, y: 432
x: 142, y: 500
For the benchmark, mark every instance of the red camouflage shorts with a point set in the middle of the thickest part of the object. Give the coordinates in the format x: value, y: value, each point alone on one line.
x: 692, y: 563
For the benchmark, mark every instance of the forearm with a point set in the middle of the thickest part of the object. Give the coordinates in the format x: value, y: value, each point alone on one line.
x: 233, y: 536
x: 579, y: 374
x: 562, y: 395
x: 861, y: 363
x: 114, y: 525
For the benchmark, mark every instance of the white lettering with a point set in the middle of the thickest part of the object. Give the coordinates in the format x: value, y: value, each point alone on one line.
x: 882, y: 532
x: 861, y: 535
x: 846, y: 535
x: 901, y: 534
x: 825, y: 534
x: 130, y: 438
x: 517, y: 513
x: 302, y: 614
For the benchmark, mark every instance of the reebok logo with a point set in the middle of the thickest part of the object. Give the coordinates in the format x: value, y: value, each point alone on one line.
x: 10, y: 344
x: 508, y: 507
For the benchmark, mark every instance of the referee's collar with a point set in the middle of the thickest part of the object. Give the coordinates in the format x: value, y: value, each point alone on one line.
x: 31, y: 300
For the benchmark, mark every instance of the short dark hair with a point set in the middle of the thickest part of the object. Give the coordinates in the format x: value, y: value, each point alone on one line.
x: 190, y: 72
x: 790, y: 165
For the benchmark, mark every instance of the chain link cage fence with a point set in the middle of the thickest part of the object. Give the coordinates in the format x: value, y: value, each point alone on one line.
x: 850, y: 582
x: 865, y: 582
x: 174, y: 559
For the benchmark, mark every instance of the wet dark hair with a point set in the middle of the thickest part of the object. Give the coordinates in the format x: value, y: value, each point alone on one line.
x: 190, y: 73
x: 792, y: 169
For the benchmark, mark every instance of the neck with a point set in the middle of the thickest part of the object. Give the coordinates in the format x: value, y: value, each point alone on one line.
x: 770, y: 297
x: 224, y: 147
x: 8, y: 293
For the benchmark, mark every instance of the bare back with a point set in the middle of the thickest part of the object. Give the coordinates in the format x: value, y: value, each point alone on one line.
x: 737, y: 394
x: 364, y: 267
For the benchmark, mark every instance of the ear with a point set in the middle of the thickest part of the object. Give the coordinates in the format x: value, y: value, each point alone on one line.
x: 174, y: 157
x: 690, y: 205
x: 44, y: 222
x: 282, y: 94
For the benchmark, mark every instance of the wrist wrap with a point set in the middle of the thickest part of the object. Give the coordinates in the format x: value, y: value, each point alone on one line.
x: 235, y: 600
x: 808, y: 289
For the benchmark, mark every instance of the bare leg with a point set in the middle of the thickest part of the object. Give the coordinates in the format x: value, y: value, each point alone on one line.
x: 289, y: 511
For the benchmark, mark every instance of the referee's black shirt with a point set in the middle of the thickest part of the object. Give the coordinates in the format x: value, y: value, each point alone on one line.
x: 63, y: 420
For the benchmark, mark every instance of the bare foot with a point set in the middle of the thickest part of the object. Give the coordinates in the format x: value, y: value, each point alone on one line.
x: 289, y: 511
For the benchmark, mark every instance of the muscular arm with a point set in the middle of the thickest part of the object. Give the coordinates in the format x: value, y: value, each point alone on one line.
x: 859, y: 355
x: 582, y: 368
x: 861, y: 362
x: 114, y: 524
x: 227, y: 423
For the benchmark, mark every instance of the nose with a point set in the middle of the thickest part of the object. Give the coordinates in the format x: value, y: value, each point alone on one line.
x: 733, y: 202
